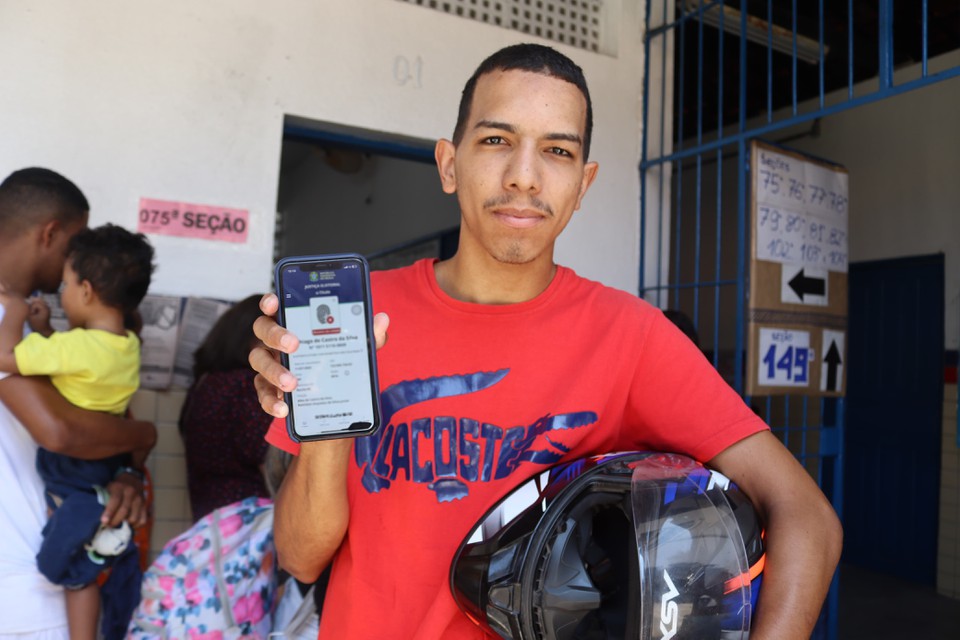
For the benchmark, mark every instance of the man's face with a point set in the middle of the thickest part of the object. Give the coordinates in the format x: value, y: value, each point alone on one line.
x: 55, y: 254
x: 519, y: 172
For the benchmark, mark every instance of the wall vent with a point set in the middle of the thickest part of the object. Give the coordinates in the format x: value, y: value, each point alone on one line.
x: 576, y: 23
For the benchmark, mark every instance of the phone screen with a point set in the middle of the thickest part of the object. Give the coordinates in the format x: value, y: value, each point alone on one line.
x: 325, y: 302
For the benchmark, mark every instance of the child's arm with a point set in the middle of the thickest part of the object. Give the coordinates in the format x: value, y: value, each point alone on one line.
x: 15, y: 311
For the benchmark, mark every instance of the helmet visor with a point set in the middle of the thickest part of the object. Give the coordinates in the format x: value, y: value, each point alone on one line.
x: 694, y: 571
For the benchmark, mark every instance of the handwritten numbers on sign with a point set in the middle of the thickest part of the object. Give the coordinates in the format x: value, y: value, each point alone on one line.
x: 785, y: 357
x: 801, y: 212
x: 802, y: 238
x: 791, y: 362
x: 408, y: 72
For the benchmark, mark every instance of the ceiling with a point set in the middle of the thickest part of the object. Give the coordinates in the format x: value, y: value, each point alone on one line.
x: 943, y: 25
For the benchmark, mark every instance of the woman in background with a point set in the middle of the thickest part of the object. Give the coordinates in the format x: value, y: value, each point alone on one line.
x: 221, y: 422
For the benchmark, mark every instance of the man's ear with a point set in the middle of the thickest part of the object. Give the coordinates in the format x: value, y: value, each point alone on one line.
x: 49, y: 231
x: 445, y: 154
x: 589, y: 175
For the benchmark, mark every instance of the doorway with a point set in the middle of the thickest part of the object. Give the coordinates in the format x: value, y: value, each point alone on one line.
x: 351, y: 190
x: 894, y: 416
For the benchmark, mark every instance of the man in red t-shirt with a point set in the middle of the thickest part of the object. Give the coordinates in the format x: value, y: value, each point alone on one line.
x: 502, y: 363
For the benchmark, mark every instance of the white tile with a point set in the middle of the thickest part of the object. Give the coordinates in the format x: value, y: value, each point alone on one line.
x: 171, y: 504
x: 169, y: 404
x: 143, y: 405
x: 169, y: 441
x: 170, y: 472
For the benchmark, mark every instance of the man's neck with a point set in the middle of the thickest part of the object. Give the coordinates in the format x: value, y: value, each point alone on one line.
x: 487, y: 281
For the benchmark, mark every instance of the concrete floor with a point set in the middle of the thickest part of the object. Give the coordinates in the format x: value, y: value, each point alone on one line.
x: 879, y: 607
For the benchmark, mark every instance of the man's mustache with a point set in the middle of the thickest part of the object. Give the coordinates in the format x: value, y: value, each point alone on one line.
x: 528, y: 202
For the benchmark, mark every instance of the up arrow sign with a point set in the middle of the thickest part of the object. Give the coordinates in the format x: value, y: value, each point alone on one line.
x: 833, y: 362
x: 802, y: 285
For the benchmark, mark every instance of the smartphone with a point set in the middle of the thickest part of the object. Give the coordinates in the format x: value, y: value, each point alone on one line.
x: 325, y: 302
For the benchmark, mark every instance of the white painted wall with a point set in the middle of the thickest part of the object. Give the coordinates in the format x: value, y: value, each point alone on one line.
x: 185, y: 100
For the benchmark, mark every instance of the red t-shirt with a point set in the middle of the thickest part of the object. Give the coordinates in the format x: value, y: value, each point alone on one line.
x: 477, y: 398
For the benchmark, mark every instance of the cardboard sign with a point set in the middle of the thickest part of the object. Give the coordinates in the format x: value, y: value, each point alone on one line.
x: 798, y: 274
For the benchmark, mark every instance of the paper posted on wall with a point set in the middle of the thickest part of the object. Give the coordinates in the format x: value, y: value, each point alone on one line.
x: 199, y: 316
x: 161, y: 322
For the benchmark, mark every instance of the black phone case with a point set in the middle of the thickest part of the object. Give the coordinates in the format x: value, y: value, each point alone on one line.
x: 371, y: 346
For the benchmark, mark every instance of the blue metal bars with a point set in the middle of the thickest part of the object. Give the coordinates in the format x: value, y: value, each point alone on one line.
x: 742, y: 70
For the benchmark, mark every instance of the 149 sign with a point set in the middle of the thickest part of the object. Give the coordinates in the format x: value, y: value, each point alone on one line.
x: 785, y: 359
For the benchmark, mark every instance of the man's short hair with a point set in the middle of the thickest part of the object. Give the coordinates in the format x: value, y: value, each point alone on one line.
x: 117, y: 263
x: 536, y: 59
x: 36, y: 195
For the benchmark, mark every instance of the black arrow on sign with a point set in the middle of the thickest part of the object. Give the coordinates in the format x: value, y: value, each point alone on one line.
x: 833, y: 363
x: 803, y: 285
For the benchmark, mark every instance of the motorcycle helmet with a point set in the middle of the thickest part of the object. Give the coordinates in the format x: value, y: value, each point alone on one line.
x: 640, y: 545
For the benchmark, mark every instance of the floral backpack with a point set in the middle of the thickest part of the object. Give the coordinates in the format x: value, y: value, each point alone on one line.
x: 215, y: 581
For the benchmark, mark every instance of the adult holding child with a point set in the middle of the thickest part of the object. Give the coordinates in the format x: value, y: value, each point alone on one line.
x: 96, y: 366
x: 40, y: 211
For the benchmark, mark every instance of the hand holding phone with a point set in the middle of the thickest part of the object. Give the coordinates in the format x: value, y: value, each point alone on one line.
x: 325, y: 302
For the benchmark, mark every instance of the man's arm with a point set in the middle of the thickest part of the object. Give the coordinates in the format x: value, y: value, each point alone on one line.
x: 803, y: 534
x: 311, y: 512
x: 59, y: 426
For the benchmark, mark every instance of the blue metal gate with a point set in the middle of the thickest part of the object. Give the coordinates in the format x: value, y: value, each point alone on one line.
x: 719, y: 74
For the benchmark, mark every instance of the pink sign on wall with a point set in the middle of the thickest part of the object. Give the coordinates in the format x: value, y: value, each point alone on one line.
x: 192, y: 220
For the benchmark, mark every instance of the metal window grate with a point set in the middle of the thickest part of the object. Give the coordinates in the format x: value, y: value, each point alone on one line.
x: 577, y: 23
x: 708, y: 93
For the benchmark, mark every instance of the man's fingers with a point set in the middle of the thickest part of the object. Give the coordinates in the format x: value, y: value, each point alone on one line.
x: 273, y: 378
x: 126, y: 502
x: 381, y: 322
x: 138, y: 513
x: 274, y: 336
x: 270, y: 397
x: 268, y: 331
x: 114, y: 513
x: 269, y: 304
x: 264, y: 362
